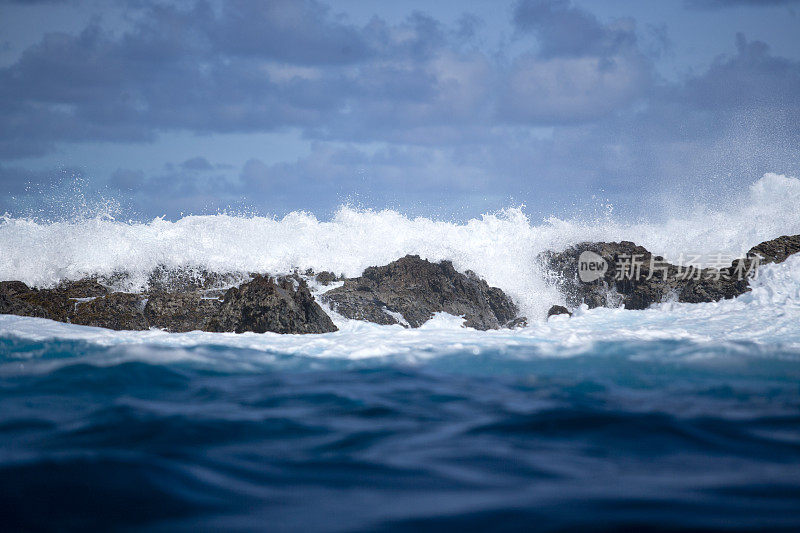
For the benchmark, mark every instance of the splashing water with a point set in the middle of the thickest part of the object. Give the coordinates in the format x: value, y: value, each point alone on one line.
x: 681, y: 417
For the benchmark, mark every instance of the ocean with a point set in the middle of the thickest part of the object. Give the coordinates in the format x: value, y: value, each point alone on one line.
x: 681, y: 417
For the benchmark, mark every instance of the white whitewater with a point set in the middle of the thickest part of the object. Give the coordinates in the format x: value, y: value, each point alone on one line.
x: 500, y: 247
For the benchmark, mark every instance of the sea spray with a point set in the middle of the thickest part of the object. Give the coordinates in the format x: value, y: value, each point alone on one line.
x: 501, y: 247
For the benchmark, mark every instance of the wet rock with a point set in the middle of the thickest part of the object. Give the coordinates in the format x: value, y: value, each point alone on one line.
x: 519, y: 322
x: 649, y: 279
x: 83, y: 288
x: 776, y: 250
x: 326, y: 278
x: 10, y: 304
x: 604, y: 291
x: 55, y: 303
x: 117, y: 310
x: 558, y: 310
x: 186, y: 311
x: 167, y: 279
x: 410, y: 290
x: 282, y: 305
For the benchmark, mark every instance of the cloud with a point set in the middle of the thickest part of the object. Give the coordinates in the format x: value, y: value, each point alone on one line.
x: 582, y: 71
x: 413, y: 113
x: 197, y: 163
x: 268, y: 66
x: 566, y: 30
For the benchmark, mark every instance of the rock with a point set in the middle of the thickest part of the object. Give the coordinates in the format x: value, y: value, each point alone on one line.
x: 519, y: 322
x: 282, y: 305
x: 187, y: 311
x: 117, y: 310
x: 776, y: 250
x: 605, y: 291
x: 558, y: 310
x: 410, y: 290
x: 10, y: 304
x: 326, y: 278
x: 55, y: 303
x: 167, y: 279
x: 13, y: 288
x: 82, y: 288
x: 644, y: 285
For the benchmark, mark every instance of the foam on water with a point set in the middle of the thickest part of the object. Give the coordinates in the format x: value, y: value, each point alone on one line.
x: 681, y: 416
x: 500, y: 247
x: 767, y: 317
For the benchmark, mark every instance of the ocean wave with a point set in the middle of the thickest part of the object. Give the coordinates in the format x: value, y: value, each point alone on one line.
x: 501, y: 247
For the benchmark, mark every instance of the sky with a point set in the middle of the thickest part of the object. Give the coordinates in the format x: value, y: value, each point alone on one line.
x: 446, y: 109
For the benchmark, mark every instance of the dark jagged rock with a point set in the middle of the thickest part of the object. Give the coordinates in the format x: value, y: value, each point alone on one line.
x: 519, y: 322
x: 326, y: 278
x: 599, y: 293
x: 165, y: 279
x: 776, y: 250
x: 82, y: 288
x: 653, y: 280
x: 558, y: 310
x: 181, y: 311
x: 11, y: 304
x: 282, y: 305
x: 415, y: 289
x: 117, y: 310
x: 55, y: 303
x: 13, y: 288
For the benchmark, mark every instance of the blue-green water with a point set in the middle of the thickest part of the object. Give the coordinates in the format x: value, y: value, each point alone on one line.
x: 668, y: 435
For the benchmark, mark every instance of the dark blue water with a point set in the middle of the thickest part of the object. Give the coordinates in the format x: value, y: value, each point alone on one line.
x: 632, y: 436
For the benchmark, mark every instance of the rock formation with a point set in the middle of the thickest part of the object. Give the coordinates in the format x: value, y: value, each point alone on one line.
x: 410, y: 290
x: 636, y: 279
x: 282, y: 305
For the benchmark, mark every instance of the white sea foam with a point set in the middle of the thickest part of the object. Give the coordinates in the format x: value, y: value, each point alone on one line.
x: 501, y: 247
x: 764, y: 320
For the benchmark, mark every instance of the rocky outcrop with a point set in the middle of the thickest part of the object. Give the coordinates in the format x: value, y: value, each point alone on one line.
x: 776, y: 250
x: 410, y: 290
x: 165, y: 279
x: 634, y: 278
x: 326, y: 278
x: 281, y: 305
x: 407, y: 291
x: 118, y: 310
x: 182, y: 311
x: 12, y: 304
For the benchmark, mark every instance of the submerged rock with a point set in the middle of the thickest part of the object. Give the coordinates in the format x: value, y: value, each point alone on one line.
x: 282, y: 305
x: 410, y: 290
x: 629, y: 275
